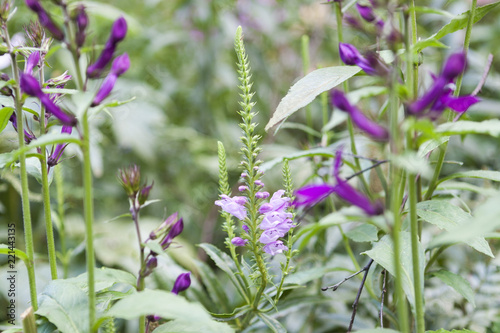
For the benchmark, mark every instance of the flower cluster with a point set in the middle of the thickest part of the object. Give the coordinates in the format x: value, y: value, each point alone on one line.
x: 275, y: 220
x: 312, y: 194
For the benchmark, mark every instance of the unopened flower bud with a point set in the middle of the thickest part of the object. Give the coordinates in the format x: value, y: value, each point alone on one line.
x: 242, y: 188
x: 81, y: 20
x: 182, y: 283
x: 262, y: 195
x: 238, y: 241
x: 144, y: 194
x: 119, y: 30
x: 45, y: 19
x: 32, y: 61
x: 348, y: 54
x: 366, y: 12
x: 130, y: 178
x: 454, y: 66
x: 259, y: 183
x: 174, y: 232
x: 120, y: 65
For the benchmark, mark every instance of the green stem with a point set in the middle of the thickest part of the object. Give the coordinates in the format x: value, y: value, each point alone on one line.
x: 29, y: 321
x: 60, y: 212
x: 468, y: 31
x: 28, y: 230
x: 134, y: 209
x: 88, y: 206
x: 305, y: 69
x: 49, y: 229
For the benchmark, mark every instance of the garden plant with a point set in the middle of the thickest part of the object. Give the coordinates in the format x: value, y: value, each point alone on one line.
x: 249, y: 166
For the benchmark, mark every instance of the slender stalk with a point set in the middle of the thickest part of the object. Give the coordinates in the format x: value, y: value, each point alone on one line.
x: 88, y: 206
x: 134, y: 211
x: 28, y: 230
x: 366, y: 269
x: 28, y: 320
x: 60, y: 212
x: 305, y: 68
x: 49, y: 229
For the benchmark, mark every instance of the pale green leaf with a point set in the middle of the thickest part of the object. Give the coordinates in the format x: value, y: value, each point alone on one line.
x: 272, y: 323
x: 487, y: 127
x: 430, y: 145
x: 377, y: 330
x: 363, y: 233
x: 458, y: 283
x: 483, y: 174
x: 413, y: 163
x: 306, y: 89
x: 5, y: 114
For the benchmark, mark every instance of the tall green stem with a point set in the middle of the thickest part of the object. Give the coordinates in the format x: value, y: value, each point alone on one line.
x: 134, y: 210
x: 88, y: 206
x: 28, y: 229
x: 49, y: 229
x: 305, y: 68
x: 58, y: 177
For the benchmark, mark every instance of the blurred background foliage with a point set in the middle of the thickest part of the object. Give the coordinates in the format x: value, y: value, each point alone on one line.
x: 183, y: 77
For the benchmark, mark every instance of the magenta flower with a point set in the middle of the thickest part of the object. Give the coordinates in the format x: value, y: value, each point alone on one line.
x: 359, y: 119
x: 120, y: 65
x: 118, y: 32
x: 439, y: 96
x: 182, y: 282
x: 313, y: 194
x: 234, y: 206
x: 238, y: 241
x: 30, y: 86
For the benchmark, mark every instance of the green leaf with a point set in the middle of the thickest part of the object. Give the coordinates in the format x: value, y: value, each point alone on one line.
x: 104, y: 278
x: 457, y: 23
x: 442, y: 330
x: 272, y: 323
x: 4, y: 249
x: 383, y: 254
x: 363, y: 233
x: 458, y: 283
x: 365, y: 92
x: 238, y: 312
x: 302, y: 277
x: 324, y: 152
x: 306, y: 89
x: 430, y: 145
x: 463, y: 186
x: 301, y: 127
x: 212, y: 283
x: 483, y: 174
x: 191, y: 316
x: 430, y: 10
x: 377, y: 330
x: 65, y: 305
x: 487, y: 127
x: 484, y: 221
x: 447, y: 216
x: 5, y: 114
x: 224, y: 262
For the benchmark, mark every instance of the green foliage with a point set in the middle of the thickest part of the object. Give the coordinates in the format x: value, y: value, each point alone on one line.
x: 458, y: 283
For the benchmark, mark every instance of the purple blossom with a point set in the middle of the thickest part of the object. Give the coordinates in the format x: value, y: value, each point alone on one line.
x: 238, y: 241
x: 120, y: 65
x: 32, y: 61
x: 28, y: 135
x: 372, y: 64
x: 366, y: 12
x: 118, y: 32
x: 371, y: 128
x: 174, y: 232
x: 45, y: 19
x: 275, y: 248
x: 182, y: 282
x: 81, y: 20
x: 439, y: 96
x: 277, y: 203
x: 234, y: 206
x: 313, y: 194
x: 54, y: 158
x: 273, y: 218
x: 245, y: 227
x: 30, y: 86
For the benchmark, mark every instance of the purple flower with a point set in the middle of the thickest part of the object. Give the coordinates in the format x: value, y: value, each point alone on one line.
x: 119, y: 66
x: 182, y: 282
x: 170, y: 221
x: 174, y: 232
x: 313, y: 194
x: 275, y: 248
x: 32, y: 61
x: 371, y: 128
x: 366, y: 12
x: 269, y: 236
x: 234, y: 206
x: 30, y: 86
x: 238, y: 241
x: 245, y: 227
x: 54, y: 158
x: 118, y: 32
x: 273, y: 218
x: 81, y: 20
x: 45, y: 19
x: 439, y: 96
x: 277, y: 203
x: 372, y: 64
x: 28, y: 135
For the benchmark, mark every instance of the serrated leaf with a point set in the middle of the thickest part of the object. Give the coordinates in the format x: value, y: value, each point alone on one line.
x: 306, y: 89
x: 5, y: 114
x: 457, y: 23
x: 383, y: 254
x: 487, y: 127
x: 168, y: 306
x: 458, y: 283
x: 447, y: 216
x: 363, y: 233
x: 484, y: 220
x: 272, y: 323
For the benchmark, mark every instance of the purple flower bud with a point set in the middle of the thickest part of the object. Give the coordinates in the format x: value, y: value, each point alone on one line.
x: 242, y: 188
x: 28, y: 135
x: 454, y: 66
x: 349, y: 54
x: 81, y: 20
x: 118, y: 30
x: 120, y: 65
x: 45, y: 19
x: 152, y: 263
x: 259, y: 183
x: 262, y: 195
x: 366, y: 12
x: 158, y: 232
x: 174, y: 232
x: 30, y: 85
x: 238, y: 241
x: 54, y: 158
x: 244, y: 175
x: 144, y: 194
x: 182, y: 283
x: 358, y: 118
x: 130, y: 179
x: 245, y: 227
x: 32, y: 61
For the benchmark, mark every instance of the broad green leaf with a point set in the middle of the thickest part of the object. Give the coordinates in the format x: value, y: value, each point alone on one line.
x: 306, y: 89
x: 301, y: 127
x: 458, y: 283
x: 483, y: 174
x: 304, y: 276
x: 272, y: 323
x: 446, y: 216
x: 457, y: 23
x: 452, y: 185
x: 104, y: 278
x: 363, y: 233
x: 214, y: 288
x: 168, y: 306
x: 65, y: 305
x: 383, y: 254
x: 484, y: 220
x: 487, y: 127
x: 5, y: 114
x: 430, y: 145
x: 356, y: 95
x: 224, y: 262
x: 430, y: 42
